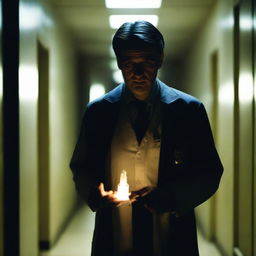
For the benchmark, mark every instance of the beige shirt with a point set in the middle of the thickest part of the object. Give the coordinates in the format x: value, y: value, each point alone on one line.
x: 141, y: 163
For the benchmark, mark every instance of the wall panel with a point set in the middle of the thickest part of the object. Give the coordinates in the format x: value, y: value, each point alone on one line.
x: 1, y: 140
x: 244, y: 184
x: 10, y: 126
x: 216, y: 35
x: 254, y: 151
x: 39, y: 23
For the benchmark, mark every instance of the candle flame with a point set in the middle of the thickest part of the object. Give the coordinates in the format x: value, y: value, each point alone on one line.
x: 123, y: 187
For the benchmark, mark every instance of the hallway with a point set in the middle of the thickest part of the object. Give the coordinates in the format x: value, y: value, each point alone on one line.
x: 56, y: 56
x: 75, y: 241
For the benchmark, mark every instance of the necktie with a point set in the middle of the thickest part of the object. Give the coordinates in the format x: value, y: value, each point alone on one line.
x: 142, y: 227
x: 142, y: 221
x: 141, y: 121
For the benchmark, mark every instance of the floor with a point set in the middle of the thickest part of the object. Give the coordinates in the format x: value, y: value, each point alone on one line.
x: 75, y: 241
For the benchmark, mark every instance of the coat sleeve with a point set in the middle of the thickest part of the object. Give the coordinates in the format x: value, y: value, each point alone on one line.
x: 196, y: 178
x: 82, y: 163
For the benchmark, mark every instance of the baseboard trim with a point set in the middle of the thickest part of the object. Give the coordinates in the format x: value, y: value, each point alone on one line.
x: 237, y: 252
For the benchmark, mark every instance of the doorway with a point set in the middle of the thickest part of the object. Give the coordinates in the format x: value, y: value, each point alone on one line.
x: 214, y: 124
x: 43, y: 147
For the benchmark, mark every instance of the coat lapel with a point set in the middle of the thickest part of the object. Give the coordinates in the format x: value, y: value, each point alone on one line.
x: 168, y: 98
x: 115, y: 95
x: 110, y: 109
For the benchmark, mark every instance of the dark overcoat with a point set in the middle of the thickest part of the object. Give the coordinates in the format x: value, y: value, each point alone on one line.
x: 189, y: 168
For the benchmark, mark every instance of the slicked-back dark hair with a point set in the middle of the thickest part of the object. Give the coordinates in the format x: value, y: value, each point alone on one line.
x: 137, y: 36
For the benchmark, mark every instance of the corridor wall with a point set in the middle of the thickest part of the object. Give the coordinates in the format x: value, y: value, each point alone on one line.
x: 1, y: 140
x: 244, y: 233
x: 212, y: 52
x: 38, y: 24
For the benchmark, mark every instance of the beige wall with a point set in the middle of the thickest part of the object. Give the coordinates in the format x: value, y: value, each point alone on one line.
x: 1, y: 140
x: 38, y: 23
x: 245, y: 125
x: 216, y: 35
x: 1, y: 173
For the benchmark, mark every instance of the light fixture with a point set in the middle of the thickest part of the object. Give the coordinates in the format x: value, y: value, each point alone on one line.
x: 29, y: 16
x: 246, y: 87
x: 113, y: 64
x: 226, y: 93
x: 117, y: 76
x: 28, y: 83
x: 246, y: 23
x: 133, y: 3
x: 116, y: 21
x: 96, y: 90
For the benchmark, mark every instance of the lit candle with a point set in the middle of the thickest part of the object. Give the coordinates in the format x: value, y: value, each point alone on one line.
x: 123, y: 187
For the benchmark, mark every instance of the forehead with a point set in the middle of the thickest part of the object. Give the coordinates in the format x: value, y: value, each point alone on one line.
x: 150, y: 54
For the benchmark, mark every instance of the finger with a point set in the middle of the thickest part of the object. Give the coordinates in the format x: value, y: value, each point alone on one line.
x: 111, y: 198
x: 101, y: 189
x: 141, y: 192
x: 108, y: 193
x: 133, y: 199
x: 133, y: 196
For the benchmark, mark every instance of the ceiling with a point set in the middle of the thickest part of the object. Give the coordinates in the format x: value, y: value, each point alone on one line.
x: 87, y: 21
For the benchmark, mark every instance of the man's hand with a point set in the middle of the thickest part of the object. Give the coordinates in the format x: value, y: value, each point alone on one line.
x: 143, y: 197
x: 107, y: 198
x: 149, y: 198
x: 142, y: 192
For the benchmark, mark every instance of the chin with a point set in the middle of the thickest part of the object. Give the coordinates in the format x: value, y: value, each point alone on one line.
x: 140, y: 95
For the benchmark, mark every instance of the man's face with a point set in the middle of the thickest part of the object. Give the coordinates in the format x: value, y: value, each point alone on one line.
x: 139, y: 69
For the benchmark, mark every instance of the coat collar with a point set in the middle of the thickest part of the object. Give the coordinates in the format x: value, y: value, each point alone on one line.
x: 167, y: 94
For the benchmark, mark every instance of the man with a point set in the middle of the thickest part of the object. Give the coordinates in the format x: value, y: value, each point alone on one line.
x: 161, y: 137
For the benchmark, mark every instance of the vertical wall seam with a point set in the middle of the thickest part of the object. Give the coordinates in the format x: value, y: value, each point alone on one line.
x: 254, y: 126
x: 236, y: 43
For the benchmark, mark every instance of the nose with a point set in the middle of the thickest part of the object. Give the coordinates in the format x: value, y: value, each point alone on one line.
x: 138, y: 70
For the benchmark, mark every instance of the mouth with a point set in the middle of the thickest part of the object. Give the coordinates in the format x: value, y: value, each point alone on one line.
x: 139, y: 86
x: 139, y: 81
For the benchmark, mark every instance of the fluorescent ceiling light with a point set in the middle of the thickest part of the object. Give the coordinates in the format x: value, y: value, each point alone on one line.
x: 116, y: 21
x: 133, y: 3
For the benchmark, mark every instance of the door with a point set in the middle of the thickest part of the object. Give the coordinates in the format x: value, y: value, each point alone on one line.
x: 244, y: 129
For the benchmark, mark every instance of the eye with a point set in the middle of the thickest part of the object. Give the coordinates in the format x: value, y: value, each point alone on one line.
x: 149, y: 64
x: 127, y: 66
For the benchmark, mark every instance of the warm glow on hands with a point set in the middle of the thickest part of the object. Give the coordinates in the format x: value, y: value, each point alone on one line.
x: 116, y: 198
x: 103, y: 192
